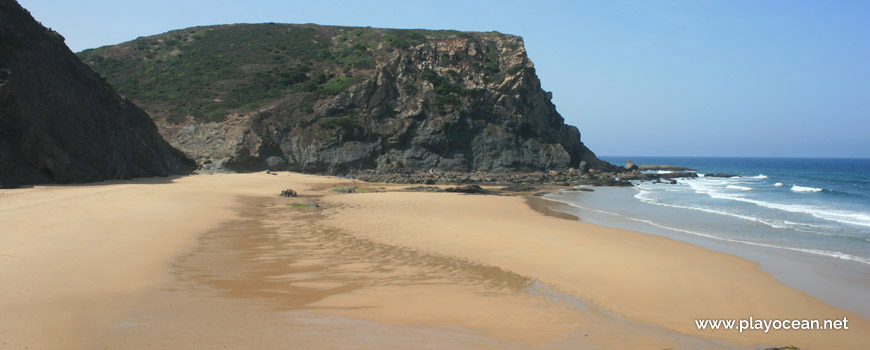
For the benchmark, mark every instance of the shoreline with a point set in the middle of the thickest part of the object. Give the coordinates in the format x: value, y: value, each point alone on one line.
x: 600, y: 264
x: 839, y: 282
x: 450, y: 270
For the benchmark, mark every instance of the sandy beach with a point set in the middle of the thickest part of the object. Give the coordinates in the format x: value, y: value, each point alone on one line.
x: 221, y: 261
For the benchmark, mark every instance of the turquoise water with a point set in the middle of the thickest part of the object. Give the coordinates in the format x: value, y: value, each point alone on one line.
x: 817, y: 206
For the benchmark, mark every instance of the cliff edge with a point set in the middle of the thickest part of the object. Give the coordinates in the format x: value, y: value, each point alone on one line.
x: 60, y: 122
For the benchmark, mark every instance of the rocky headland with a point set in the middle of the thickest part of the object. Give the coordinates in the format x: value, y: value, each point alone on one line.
x: 344, y: 100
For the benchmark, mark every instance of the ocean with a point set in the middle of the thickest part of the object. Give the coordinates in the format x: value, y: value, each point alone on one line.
x: 814, y: 206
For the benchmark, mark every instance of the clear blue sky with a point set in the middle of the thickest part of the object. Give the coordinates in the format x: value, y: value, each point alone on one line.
x: 681, y: 78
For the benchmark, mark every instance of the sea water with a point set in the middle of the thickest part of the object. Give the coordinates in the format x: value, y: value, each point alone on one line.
x: 816, y: 206
x: 805, y: 221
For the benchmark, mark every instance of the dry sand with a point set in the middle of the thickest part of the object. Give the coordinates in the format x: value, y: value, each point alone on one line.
x: 73, y: 258
x: 221, y: 262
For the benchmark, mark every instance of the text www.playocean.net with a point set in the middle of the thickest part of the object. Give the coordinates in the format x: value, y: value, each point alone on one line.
x: 752, y: 324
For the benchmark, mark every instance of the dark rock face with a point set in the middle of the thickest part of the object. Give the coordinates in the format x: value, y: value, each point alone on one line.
x: 288, y: 193
x: 554, y: 178
x: 59, y: 122
x: 721, y: 175
x: 447, y: 102
x: 470, y: 189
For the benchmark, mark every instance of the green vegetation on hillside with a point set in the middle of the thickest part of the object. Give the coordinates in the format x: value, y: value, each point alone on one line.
x: 206, y: 72
x: 347, y: 122
x: 209, y: 72
x: 447, y: 91
x: 403, y: 39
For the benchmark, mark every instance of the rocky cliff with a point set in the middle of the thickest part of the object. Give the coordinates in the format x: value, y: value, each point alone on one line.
x: 59, y: 122
x: 338, y: 100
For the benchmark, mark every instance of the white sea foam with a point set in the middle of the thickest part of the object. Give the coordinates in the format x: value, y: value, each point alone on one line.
x: 809, y: 225
x: 718, y: 212
x: 797, y: 188
x: 759, y: 176
x: 575, y: 205
x: 663, y: 195
x: 736, y: 187
x: 778, y: 184
x: 714, y: 189
x: 643, y: 198
x: 817, y: 233
x: 838, y: 255
x: 657, y: 171
x: 837, y: 215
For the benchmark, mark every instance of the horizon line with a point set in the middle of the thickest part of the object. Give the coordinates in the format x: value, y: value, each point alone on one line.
x: 760, y: 157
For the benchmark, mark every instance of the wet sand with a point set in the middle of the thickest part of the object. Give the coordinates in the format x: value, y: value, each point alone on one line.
x: 221, y: 261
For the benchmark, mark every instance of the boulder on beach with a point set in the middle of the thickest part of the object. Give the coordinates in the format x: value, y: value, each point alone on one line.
x: 470, y: 189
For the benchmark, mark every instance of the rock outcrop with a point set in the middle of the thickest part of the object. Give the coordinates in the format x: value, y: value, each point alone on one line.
x: 469, y: 189
x: 346, y: 99
x: 59, y: 122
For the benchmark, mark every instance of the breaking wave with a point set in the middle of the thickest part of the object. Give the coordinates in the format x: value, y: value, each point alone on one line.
x: 797, y: 188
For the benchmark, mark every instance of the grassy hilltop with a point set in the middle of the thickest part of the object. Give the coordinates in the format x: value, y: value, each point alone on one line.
x: 208, y: 72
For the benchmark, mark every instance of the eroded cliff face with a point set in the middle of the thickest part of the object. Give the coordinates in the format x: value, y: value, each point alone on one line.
x: 437, y: 102
x: 59, y: 122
